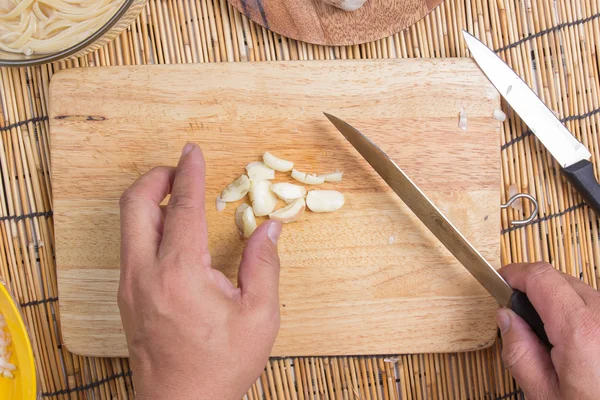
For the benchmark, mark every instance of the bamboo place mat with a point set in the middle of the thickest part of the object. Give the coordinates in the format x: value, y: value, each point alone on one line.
x: 552, y: 44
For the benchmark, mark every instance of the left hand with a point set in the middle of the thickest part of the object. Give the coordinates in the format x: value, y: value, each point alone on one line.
x: 191, y: 333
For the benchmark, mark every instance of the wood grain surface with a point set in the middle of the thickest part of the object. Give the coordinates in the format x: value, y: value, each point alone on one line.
x: 313, y: 21
x: 344, y: 288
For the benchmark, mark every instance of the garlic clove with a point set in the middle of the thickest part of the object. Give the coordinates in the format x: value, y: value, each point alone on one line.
x: 263, y: 200
x: 245, y: 220
x: 249, y: 222
x: 288, y: 192
x: 291, y: 212
x: 258, y: 171
x: 236, y: 189
x: 220, y: 204
x: 324, y: 200
x: 306, y: 178
x: 517, y: 204
x: 332, y: 176
x: 238, y: 217
x: 276, y: 163
x: 499, y: 115
x: 462, y: 119
x: 346, y: 5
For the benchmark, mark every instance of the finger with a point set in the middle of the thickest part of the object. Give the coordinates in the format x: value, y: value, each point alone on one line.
x: 550, y: 294
x: 525, y: 356
x: 258, y: 277
x: 141, y: 218
x: 185, y: 221
x: 585, y: 291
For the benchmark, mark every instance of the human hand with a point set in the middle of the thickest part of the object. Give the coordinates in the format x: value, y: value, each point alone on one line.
x: 570, y: 310
x: 191, y: 333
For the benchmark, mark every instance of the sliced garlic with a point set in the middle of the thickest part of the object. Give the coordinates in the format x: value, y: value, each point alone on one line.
x: 249, y: 222
x: 290, y: 212
x: 462, y: 119
x: 238, y: 217
x: 263, y: 200
x: 332, y: 176
x: 220, y: 204
x: 258, y: 171
x: 288, y: 192
x: 306, y: 178
x: 517, y: 204
x: 276, y: 163
x: 245, y: 220
x: 324, y: 200
x: 236, y: 189
x: 499, y: 115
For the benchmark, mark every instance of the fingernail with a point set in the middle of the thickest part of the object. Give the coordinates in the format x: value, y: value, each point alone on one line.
x: 274, y: 231
x: 503, y: 320
x: 187, y: 148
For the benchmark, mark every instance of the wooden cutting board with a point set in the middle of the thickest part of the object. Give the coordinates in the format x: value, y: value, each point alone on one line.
x: 345, y: 287
x: 313, y: 21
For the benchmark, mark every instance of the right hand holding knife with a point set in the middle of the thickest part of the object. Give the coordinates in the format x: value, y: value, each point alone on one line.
x: 570, y: 311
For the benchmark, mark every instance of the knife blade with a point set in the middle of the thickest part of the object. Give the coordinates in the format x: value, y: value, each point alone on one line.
x: 441, y: 227
x: 570, y: 153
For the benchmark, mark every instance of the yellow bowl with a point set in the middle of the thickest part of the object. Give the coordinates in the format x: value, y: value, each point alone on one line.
x: 24, y: 384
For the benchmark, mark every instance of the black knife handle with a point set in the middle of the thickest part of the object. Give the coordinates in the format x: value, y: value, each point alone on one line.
x: 581, y: 175
x: 520, y: 304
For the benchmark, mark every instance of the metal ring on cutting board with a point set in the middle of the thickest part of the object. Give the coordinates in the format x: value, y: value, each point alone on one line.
x: 521, y: 196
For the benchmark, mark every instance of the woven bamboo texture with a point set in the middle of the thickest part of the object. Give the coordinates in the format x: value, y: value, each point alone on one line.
x: 552, y: 44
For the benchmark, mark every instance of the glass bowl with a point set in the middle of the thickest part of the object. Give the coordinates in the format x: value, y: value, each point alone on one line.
x: 117, y: 23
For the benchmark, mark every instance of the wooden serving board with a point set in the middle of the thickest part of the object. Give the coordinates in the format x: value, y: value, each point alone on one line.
x: 314, y: 21
x: 344, y: 288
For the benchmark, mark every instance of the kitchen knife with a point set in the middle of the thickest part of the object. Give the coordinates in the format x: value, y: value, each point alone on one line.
x: 442, y: 228
x: 571, y: 154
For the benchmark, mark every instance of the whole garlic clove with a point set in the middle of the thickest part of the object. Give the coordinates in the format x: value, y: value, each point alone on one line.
x: 306, y: 178
x: 332, y: 176
x: 258, y: 171
x: 276, y: 163
x: 324, y: 200
x: 289, y: 213
x: 263, y: 200
x: 288, y: 192
x: 236, y: 189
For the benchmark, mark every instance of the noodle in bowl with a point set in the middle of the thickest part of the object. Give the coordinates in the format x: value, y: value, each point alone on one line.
x: 52, y: 29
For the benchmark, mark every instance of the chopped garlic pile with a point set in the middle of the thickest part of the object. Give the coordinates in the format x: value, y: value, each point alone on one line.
x: 6, y: 368
x: 264, y: 194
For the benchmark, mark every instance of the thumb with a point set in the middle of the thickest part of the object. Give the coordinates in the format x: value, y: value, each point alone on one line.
x: 525, y: 356
x: 258, y: 277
